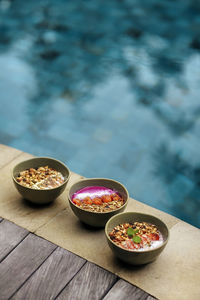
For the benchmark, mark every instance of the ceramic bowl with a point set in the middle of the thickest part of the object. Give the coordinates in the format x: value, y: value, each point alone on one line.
x: 136, y: 257
x: 40, y: 196
x: 97, y: 219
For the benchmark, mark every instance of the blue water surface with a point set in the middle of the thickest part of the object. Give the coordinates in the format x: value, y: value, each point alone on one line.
x: 111, y: 88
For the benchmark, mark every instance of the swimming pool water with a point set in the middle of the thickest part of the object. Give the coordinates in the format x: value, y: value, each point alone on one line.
x: 111, y: 88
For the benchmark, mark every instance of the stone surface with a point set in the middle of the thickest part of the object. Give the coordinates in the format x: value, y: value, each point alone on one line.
x: 7, y: 154
x: 174, y: 275
x: 137, y: 206
x: 172, y: 271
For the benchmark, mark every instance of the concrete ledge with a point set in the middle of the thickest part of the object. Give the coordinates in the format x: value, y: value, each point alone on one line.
x: 7, y: 154
x: 174, y: 275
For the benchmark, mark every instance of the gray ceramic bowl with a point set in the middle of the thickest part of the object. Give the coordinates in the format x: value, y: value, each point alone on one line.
x: 97, y: 219
x: 136, y: 257
x: 40, y: 196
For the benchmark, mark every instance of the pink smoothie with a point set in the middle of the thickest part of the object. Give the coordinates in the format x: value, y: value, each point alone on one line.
x: 92, y: 192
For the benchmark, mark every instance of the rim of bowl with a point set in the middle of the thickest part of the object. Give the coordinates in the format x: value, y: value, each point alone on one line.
x: 136, y: 251
x: 43, y: 157
x: 96, y: 212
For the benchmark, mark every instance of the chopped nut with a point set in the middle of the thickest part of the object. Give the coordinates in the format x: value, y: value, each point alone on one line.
x: 144, y: 236
x: 40, y: 178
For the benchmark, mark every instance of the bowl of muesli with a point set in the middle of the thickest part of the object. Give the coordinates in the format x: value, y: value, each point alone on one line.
x: 136, y: 238
x: 95, y: 200
x: 40, y: 180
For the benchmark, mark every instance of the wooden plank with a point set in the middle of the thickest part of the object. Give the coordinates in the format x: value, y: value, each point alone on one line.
x: 10, y: 236
x: 52, y: 276
x: 92, y: 282
x: 22, y: 262
x: 125, y: 291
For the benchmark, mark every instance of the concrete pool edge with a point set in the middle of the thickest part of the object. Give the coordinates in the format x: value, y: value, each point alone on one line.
x: 57, y: 224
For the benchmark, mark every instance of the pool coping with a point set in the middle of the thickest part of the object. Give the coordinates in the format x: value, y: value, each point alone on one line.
x: 171, y: 276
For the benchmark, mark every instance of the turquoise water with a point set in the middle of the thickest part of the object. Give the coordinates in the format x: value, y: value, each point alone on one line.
x: 111, y: 88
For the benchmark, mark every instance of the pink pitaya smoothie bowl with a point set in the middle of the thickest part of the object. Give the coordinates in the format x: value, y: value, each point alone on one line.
x: 96, y: 186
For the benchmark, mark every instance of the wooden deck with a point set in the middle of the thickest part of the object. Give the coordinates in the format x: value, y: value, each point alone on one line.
x: 33, y: 268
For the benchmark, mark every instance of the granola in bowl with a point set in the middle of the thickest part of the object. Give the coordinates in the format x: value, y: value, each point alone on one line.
x: 41, y: 178
x: 137, y: 236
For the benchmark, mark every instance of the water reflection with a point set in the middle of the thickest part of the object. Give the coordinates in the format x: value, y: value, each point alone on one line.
x: 113, y: 90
